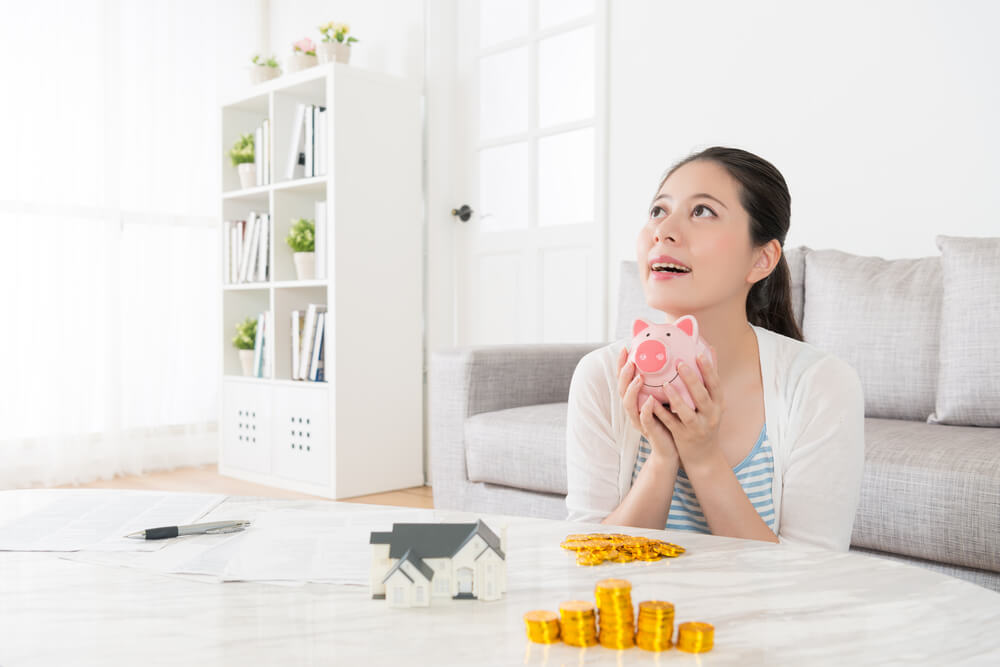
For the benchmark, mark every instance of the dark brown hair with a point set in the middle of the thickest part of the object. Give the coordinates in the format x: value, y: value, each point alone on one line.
x: 764, y: 195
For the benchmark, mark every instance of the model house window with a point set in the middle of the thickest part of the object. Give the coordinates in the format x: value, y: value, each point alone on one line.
x: 420, y: 594
x: 440, y: 585
x: 400, y: 594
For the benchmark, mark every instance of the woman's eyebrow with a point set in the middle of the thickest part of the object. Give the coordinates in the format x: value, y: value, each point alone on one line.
x: 694, y: 196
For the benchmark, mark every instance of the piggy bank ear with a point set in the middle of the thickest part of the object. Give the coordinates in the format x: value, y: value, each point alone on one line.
x: 688, y: 325
x: 638, y: 326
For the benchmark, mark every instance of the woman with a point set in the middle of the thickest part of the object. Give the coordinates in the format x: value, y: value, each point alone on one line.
x: 774, y: 448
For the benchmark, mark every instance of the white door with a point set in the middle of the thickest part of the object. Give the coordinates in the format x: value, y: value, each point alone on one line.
x: 464, y: 580
x: 531, y: 259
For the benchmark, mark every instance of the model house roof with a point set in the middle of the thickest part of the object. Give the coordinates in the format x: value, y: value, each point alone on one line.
x: 437, y: 540
x: 416, y: 541
x: 416, y: 561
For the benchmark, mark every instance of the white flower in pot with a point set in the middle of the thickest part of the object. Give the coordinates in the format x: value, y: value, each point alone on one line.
x: 242, y: 155
x: 336, y: 45
x: 302, y: 240
x: 263, y: 70
x: 303, y: 55
x: 246, y: 336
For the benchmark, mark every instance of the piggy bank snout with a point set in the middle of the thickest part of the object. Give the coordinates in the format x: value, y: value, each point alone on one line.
x: 651, y: 356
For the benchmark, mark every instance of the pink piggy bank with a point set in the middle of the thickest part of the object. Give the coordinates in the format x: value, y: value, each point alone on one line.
x: 655, y: 350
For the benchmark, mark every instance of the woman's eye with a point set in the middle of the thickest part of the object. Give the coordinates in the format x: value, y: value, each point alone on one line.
x: 653, y: 212
x: 695, y: 211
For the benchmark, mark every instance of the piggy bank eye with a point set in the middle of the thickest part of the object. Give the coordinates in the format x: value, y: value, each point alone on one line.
x: 668, y: 333
x: 647, y: 335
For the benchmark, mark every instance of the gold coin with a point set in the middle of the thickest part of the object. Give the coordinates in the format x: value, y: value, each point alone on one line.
x: 541, y: 616
x: 577, y: 606
x: 574, y: 544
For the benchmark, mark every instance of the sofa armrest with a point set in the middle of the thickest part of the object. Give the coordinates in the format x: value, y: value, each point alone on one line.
x: 468, y: 380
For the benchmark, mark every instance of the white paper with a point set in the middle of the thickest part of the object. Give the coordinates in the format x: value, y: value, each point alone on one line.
x: 302, y: 545
x: 99, y: 521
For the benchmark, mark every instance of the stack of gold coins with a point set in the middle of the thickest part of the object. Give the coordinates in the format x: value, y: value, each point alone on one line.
x: 579, y: 623
x: 614, y: 605
x: 543, y: 626
x: 655, y: 626
x: 695, y: 637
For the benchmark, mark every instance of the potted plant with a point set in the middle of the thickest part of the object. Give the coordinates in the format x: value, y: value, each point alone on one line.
x: 303, y: 55
x: 336, y: 45
x: 263, y: 70
x: 246, y: 336
x: 302, y: 240
x: 242, y: 156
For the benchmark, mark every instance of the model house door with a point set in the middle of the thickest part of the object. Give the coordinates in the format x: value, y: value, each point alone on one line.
x: 464, y: 580
x: 531, y: 258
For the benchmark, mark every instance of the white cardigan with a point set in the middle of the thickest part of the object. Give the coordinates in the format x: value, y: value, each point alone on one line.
x: 814, y: 410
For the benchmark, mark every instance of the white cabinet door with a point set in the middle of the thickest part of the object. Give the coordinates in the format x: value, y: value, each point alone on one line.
x: 302, y: 435
x: 246, y: 426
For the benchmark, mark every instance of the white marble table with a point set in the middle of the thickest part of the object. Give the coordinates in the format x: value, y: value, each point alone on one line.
x: 770, y: 605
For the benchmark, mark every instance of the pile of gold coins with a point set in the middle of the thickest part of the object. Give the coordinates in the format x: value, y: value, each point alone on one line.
x: 597, y: 548
x: 577, y: 624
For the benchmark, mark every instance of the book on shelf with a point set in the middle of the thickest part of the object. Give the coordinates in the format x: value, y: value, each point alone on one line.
x: 316, y: 365
x: 248, y: 245
x: 310, y: 119
x: 262, y: 152
x: 307, y: 157
x: 298, y: 325
x: 227, y: 234
x: 309, y: 336
x: 258, y: 346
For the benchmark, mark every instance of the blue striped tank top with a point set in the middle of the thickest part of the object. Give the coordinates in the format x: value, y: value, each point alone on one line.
x: 755, y: 474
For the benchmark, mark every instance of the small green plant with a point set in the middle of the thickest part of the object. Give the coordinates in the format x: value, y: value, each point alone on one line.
x: 270, y: 62
x: 302, y: 236
x: 242, y: 150
x: 337, y: 32
x: 246, y: 334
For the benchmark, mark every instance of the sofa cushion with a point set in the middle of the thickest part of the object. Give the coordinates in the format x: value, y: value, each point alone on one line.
x: 883, y: 318
x: 930, y: 491
x: 521, y: 447
x: 969, y: 378
x: 796, y: 259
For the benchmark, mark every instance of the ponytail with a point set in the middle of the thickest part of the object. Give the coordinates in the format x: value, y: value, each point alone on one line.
x: 769, y: 303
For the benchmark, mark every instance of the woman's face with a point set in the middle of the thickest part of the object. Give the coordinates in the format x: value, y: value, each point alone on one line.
x: 696, y: 218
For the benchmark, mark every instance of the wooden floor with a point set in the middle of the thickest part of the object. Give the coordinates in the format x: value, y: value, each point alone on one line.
x: 206, y: 479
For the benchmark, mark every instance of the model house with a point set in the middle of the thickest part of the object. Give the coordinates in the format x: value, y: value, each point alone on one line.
x: 416, y: 562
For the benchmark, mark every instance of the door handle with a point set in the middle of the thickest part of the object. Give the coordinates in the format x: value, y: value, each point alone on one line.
x: 463, y: 213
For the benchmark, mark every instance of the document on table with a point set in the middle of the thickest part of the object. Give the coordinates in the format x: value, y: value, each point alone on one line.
x: 302, y: 545
x: 96, y: 520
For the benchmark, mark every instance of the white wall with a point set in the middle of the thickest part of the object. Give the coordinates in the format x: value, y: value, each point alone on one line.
x: 884, y: 117
x: 391, y: 32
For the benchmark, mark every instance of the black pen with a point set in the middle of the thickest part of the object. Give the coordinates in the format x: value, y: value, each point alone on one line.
x: 212, y: 528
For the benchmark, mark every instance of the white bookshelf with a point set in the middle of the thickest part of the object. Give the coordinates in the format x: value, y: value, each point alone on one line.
x: 361, y: 430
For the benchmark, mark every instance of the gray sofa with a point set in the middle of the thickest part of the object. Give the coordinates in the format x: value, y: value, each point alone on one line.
x: 931, y: 491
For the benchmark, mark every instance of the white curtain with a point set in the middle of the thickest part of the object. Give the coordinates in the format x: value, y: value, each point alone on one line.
x: 110, y: 323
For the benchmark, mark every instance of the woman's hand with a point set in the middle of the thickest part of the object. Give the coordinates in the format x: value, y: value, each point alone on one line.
x: 645, y: 420
x: 696, y: 432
